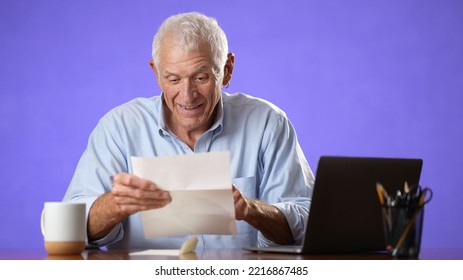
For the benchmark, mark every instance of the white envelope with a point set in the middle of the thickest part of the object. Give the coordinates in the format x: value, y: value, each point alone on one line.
x: 200, y: 187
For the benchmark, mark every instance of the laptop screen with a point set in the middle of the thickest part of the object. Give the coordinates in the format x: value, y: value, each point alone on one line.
x: 345, y: 214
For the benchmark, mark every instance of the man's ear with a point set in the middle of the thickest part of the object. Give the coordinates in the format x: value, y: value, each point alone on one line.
x: 228, y: 69
x: 155, y: 70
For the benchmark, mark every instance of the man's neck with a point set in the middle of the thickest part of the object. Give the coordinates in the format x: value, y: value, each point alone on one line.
x: 188, y: 136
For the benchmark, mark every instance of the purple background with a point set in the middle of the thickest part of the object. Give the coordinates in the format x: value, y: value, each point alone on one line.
x: 357, y: 78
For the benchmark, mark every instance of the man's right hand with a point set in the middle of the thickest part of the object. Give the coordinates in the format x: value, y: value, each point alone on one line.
x: 133, y: 194
x: 129, y: 195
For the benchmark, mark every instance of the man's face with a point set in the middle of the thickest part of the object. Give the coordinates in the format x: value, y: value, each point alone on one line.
x: 191, y: 89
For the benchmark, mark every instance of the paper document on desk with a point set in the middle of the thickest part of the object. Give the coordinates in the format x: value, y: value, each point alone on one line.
x: 200, y: 187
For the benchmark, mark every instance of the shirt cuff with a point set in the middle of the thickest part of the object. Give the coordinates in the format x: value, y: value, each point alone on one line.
x: 296, y: 216
x: 113, y: 236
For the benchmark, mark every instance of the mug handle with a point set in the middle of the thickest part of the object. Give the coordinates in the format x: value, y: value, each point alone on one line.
x: 42, y: 222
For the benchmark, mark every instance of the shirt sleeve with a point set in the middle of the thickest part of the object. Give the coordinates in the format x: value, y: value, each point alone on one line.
x: 102, y: 158
x: 287, y: 180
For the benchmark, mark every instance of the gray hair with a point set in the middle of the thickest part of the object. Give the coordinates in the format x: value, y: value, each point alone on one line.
x: 190, y: 30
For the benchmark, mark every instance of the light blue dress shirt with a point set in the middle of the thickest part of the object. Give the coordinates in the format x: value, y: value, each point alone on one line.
x: 267, y: 163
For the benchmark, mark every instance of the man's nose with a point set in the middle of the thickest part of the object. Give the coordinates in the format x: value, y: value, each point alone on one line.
x: 188, y: 89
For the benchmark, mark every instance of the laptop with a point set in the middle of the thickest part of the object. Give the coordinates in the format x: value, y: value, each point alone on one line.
x: 345, y: 214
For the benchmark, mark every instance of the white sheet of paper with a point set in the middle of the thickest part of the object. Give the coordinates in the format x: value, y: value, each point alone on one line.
x: 200, y: 187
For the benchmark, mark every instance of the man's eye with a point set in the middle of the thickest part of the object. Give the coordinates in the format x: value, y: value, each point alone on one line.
x: 174, y: 81
x: 202, y: 78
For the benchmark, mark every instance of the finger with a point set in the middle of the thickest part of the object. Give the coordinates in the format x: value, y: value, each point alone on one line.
x: 125, y: 184
x: 134, y: 181
x: 146, y: 199
x: 137, y: 193
x: 237, y: 195
x: 133, y: 208
x: 125, y: 200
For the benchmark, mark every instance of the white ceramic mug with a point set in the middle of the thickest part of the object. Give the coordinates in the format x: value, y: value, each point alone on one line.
x: 64, y: 227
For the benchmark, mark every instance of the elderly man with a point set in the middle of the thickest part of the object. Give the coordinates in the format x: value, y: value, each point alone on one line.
x: 272, y: 180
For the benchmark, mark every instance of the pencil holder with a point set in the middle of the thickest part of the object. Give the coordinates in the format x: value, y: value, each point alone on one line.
x: 403, y: 219
x: 403, y: 226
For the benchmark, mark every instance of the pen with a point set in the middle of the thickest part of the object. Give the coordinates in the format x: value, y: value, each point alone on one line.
x: 382, y: 194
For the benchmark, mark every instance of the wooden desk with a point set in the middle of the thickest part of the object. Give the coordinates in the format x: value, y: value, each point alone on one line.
x: 41, y: 254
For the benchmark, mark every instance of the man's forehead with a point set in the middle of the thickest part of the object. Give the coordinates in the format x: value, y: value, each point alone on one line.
x: 200, y: 69
x: 191, y: 61
x: 173, y: 58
